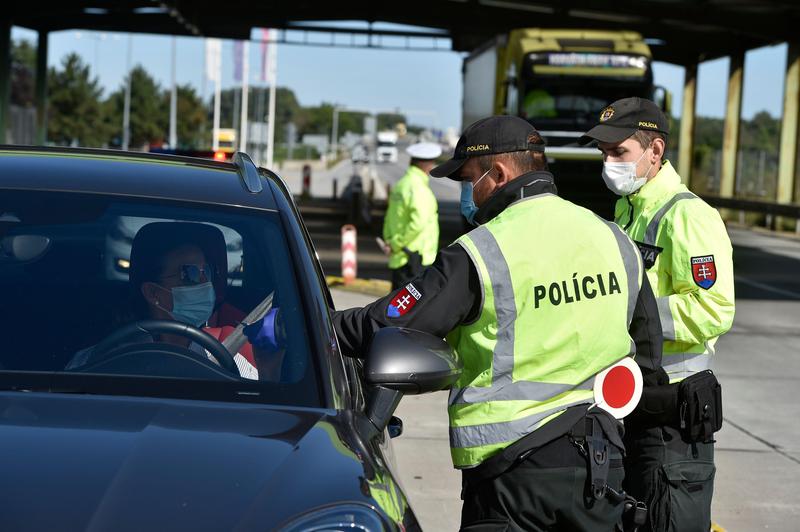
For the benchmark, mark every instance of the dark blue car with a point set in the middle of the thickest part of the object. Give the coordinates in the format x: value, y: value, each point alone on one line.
x: 167, y: 359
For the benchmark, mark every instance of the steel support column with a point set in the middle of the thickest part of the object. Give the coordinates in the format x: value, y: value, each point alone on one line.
x: 787, y: 169
x: 733, y: 115
x: 41, y: 88
x: 686, y: 147
x: 5, y: 77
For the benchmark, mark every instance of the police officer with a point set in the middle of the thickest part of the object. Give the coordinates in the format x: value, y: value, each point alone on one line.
x: 688, y: 257
x: 535, y: 301
x: 411, y: 226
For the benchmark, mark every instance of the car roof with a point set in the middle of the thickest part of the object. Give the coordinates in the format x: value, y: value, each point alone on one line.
x: 133, y: 174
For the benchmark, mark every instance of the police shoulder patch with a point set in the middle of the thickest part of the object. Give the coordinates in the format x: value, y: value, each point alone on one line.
x: 649, y: 253
x: 704, y: 271
x: 403, y: 301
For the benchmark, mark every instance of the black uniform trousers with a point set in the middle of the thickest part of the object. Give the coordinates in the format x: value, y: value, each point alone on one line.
x: 544, y: 492
x: 673, y: 477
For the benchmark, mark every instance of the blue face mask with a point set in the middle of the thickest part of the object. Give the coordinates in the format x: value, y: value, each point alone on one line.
x: 468, y: 207
x: 193, y: 305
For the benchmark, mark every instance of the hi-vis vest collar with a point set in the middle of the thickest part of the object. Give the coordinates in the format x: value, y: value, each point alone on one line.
x: 524, y: 186
x: 662, y: 192
x: 665, y: 183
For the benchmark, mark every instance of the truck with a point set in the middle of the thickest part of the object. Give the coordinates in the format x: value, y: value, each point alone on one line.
x: 386, y: 151
x: 560, y: 81
x: 227, y: 144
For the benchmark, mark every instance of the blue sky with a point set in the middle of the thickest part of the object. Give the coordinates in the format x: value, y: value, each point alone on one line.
x: 425, y: 85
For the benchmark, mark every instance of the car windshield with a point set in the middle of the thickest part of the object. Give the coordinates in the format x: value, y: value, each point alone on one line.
x: 108, y: 295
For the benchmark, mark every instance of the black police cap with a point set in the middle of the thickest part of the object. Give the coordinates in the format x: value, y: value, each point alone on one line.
x: 623, y: 118
x: 488, y: 136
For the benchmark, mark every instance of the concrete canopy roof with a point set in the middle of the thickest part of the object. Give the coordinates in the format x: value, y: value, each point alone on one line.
x: 682, y: 31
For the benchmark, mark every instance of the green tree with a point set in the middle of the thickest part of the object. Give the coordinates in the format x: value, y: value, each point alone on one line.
x: 287, y: 109
x: 74, y: 107
x: 191, y: 114
x: 319, y: 120
x: 388, y: 121
x: 149, y: 116
x: 763, y: 132
x: 23, y: 66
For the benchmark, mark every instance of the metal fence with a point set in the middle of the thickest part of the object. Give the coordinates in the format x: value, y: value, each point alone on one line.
x: 756, y: 173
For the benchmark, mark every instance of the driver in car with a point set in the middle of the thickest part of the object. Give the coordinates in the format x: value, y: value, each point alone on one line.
x: 172, y: 278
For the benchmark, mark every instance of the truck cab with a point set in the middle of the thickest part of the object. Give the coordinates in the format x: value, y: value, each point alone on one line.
x: 560, y: 81
x: 386, y: 151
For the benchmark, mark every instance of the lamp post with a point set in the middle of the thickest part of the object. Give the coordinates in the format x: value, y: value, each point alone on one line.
x: 335, y: 132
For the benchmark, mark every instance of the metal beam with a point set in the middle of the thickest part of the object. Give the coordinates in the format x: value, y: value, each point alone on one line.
x: 5, y: 76
x: 787, y: 168
x: 41, y: 88
x: 686, y: 146
x: 733, y: 114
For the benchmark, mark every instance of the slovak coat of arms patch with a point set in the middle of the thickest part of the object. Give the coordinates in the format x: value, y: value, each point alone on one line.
x: 403, y: 301
x: 704, y: 271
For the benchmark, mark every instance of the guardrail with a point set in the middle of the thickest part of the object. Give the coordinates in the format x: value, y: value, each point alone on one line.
x: 764, y: 207
x: 354, y: 211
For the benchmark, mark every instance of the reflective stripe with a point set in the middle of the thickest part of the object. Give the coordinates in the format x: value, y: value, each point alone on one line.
x: 652, y: 228
x: 504, y: 304
x: 631, y: 259
x: 676, y: 364
x: 665, y: 316
x: 480, y: 278
x: 514, y: 391
x: 523, y: 199
x: 508, y: 431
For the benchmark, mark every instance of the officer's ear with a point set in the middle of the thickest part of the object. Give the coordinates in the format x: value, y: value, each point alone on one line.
x: 504, y: 171
x: 659, y: 147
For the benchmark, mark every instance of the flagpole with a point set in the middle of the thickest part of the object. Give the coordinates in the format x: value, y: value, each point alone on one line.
x: 173, y: 102
x: 273, y: 70
x: 216, y: 71
x: 245, y: 89
x: 126, y: 110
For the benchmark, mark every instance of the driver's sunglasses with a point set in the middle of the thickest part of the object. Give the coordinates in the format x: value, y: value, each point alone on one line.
x: 192, y: 274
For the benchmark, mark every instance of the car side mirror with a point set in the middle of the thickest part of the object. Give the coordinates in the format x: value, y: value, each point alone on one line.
x: 405, y: 361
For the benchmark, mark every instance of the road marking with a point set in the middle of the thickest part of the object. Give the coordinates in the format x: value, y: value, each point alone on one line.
x: 716, y: 527
x: 768, y: 288
x: 773, y: 446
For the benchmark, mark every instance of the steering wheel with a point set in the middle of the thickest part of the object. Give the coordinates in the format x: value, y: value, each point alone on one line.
x: 109, y: 345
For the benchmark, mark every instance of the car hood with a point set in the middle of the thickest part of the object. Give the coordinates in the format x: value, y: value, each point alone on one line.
x: 117, y: 463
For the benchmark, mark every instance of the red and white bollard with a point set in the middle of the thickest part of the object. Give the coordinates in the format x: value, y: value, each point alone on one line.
x: 349, y: 249
x: 306, y: 192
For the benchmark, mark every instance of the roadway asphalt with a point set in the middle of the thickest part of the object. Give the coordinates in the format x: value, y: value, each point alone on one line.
x: 758, y: 363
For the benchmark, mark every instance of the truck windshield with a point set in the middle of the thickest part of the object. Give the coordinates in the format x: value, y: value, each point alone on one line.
x: 574, y: 103
x: 560, y: 89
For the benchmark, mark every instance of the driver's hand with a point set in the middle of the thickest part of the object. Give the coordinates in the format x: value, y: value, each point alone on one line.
x: 267, y: 333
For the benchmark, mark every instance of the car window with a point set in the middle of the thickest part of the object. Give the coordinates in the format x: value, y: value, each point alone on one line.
x: 77, y: 272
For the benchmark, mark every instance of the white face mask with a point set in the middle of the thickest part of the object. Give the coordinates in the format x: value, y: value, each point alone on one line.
x: 621, y: 178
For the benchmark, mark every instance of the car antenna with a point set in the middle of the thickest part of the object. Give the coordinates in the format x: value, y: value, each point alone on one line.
x: 248, y: 172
